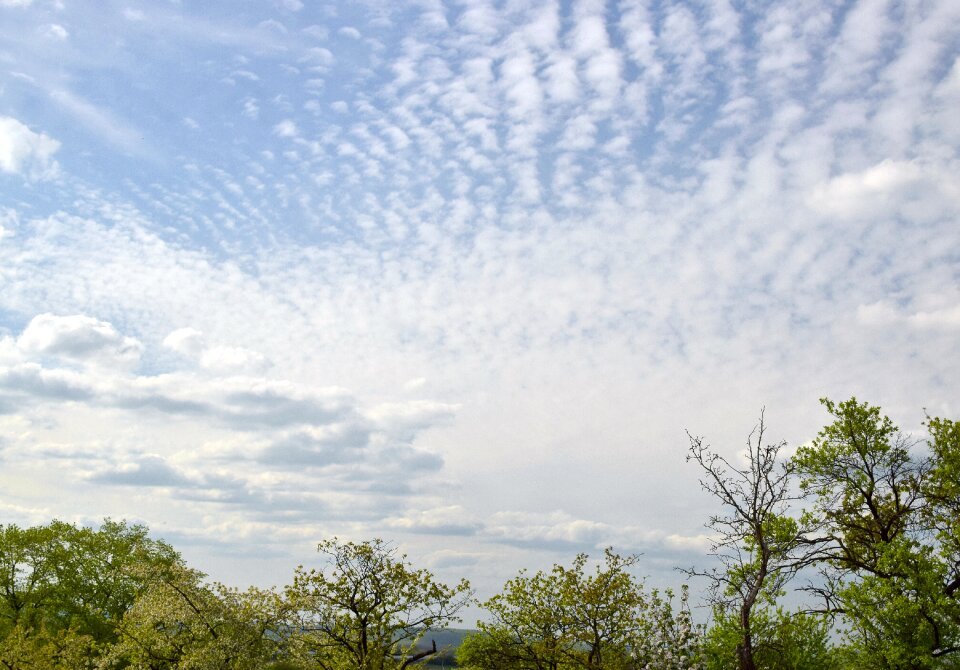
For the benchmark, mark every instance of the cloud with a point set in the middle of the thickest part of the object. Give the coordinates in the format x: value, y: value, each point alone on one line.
x: 147, y: 471
x: 79, y: 338
x: 55, y: 31
x: 286, y: 128
x: 410, y: 417
x: 104, y: 123
x: 866, y: 193
x: 186, y: 341
x: 449, y: 520
x: 233, y: 359
x: 700, y: 544
x: 9, y: 220
x: 25, y: 152
x: 276, y: 448
x: 219, y: 359
x: 884, y: 315
x: 586, y: 228
x: 557, y: 529
x: 336, y: 444
x: 29, y: 381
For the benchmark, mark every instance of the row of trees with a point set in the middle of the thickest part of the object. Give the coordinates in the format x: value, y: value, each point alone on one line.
x: 863, y: 521
x: 74, y: 598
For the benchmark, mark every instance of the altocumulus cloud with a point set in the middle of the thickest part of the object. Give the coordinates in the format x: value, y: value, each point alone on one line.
x: 460, y: 273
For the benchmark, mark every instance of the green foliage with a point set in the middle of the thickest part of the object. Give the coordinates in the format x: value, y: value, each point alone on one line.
x: 61, y: 576
x: 886, y: 519
x: 781, y: 641
x: 181, y: 622
x: 368, y: 610
x: 24, y: 648
x: 569, y: 618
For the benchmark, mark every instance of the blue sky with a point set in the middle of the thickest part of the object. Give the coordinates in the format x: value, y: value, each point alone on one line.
x: 459, y: 274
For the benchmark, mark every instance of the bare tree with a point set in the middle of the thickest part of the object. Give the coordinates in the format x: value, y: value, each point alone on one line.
x: 755, y: 538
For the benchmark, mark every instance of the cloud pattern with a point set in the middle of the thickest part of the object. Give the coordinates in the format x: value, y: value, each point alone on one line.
x: 448, y: 270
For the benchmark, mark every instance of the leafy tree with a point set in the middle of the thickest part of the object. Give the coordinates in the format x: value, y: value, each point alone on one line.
x: 60, y: 576
x: 781, y: 640
x: 885, y: 516
x: 25, y: 648
x: 941, y: 490
x: 28, y: 575
x: 368, y: 610
x: 101, y: 572
x: 182, y: 622
x: 568, y: 618
x: 755, y: 539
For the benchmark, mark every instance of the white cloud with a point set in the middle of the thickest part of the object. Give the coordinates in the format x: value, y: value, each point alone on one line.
x: 449, y: 520
x: 866, y: 193
x: 25, y: 152
x: 286, y: 129
x: 698, y: 543
x: 15, y: 3
x: 55, y: 31
x: 9, y: 220
x: 880, y: 314
x: 233, y: 359
x: 947, y: 318
x: 587, y: 226
x: 79, y: 338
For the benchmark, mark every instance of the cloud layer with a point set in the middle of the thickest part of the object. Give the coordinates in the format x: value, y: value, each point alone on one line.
x: 460, y: 273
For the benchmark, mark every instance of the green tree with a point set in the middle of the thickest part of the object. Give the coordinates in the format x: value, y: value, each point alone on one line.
x: 571, y: 618
x: 781, y: 640
x: 25, y: 648
x: 885, y: 516
x: 28, y: 575
x: 368, y: 609
x: 755, y: 540
x: 63, y: 577
x: 101, y: 572
x: 182, y: 622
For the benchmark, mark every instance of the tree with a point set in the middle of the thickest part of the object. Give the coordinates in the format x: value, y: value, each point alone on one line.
x: 368, y: 610
x: 570, y: 618
x: 62, y: 577
x: 884, y: 533
x: 25, y: 648
x: 182, y: 622
x: 27, y: 575
x: 756, y: 538
x: 781, y: 640
x: 941, y: 491
x: 101, y: 572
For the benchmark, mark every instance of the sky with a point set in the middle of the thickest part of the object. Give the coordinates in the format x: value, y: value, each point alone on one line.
x: 459, y: 274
